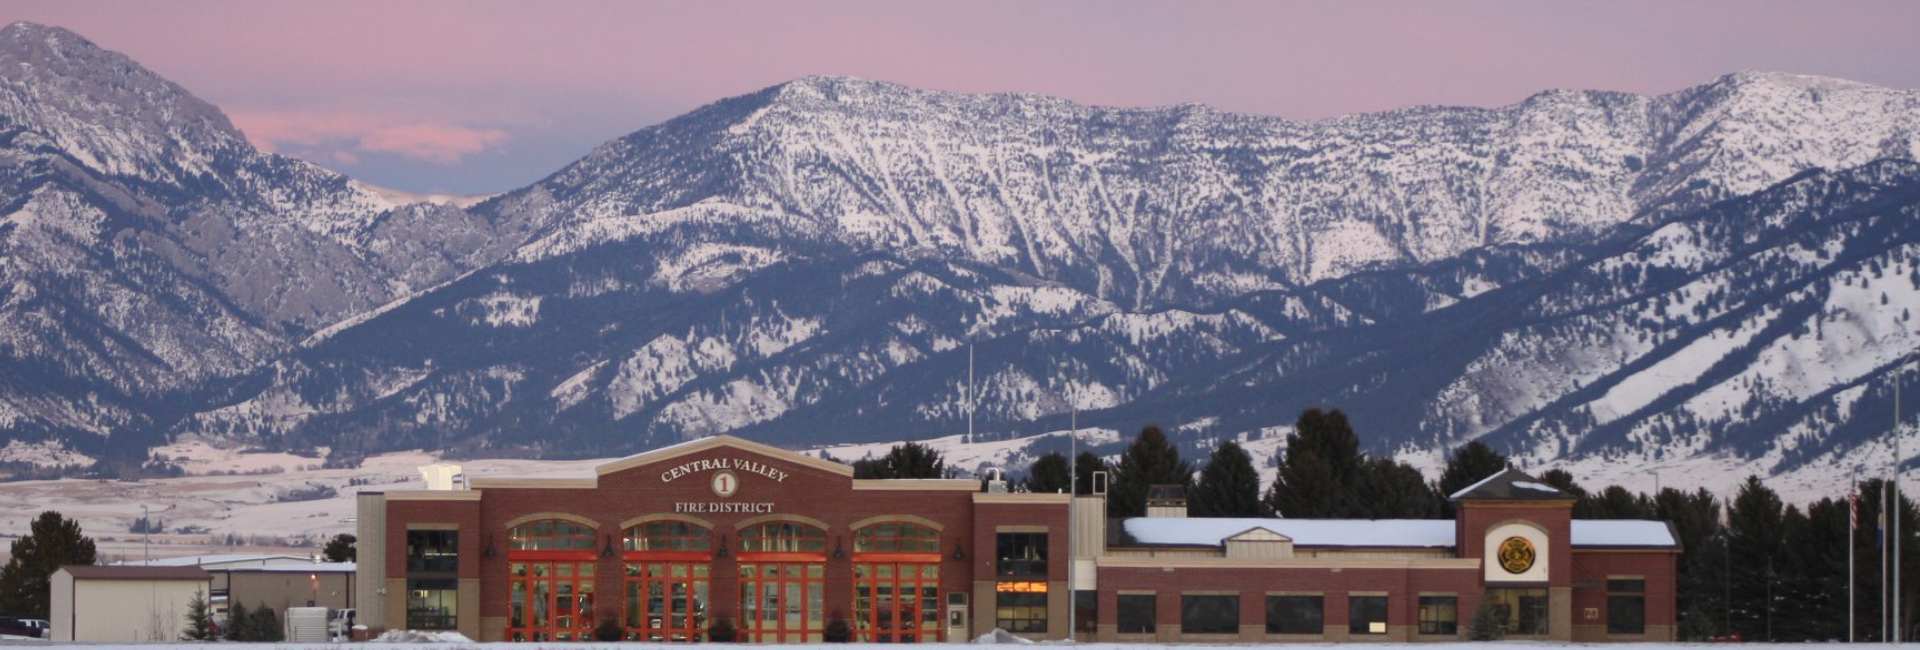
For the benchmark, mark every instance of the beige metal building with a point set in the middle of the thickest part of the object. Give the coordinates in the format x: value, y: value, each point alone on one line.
x: 124, y: 603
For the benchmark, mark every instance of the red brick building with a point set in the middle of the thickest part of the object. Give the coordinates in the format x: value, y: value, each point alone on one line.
x: 787, y: 548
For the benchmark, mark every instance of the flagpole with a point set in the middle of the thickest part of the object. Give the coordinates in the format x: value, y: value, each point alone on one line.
x: 1853, y: 529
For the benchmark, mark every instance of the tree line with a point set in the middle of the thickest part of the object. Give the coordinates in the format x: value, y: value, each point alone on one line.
x: 1789, y: 583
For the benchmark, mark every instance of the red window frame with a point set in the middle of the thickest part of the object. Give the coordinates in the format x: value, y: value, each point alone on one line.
x: 667, y: 547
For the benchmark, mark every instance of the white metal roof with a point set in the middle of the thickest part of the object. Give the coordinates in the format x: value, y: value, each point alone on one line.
x: 1374, y: 533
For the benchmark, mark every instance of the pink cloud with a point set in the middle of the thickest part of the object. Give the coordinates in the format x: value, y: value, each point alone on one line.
x: 343, y: 136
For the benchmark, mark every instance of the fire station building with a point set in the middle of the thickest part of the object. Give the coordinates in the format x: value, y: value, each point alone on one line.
x: 687, y: 542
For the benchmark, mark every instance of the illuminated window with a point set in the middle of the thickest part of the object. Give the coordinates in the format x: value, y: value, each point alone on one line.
x: 1020, y: 606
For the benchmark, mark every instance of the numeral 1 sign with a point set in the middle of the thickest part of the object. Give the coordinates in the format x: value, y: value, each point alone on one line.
x: 725, y: 483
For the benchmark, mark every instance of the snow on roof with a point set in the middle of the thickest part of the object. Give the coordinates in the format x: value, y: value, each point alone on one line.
x: 1375, y: 533
x: 310, y: 567
x: 1422, y: 533
x: 1622, y: 532
x: 226, y: 560
x: 1479, y: 483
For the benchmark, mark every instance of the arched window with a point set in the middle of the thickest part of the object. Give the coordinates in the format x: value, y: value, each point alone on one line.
x: 550, y: 535
x: 896, y: 537
x: 783, y: 537
x: 669, y: 536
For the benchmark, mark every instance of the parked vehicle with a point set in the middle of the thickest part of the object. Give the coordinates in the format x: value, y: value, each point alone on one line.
x: 10, y: 626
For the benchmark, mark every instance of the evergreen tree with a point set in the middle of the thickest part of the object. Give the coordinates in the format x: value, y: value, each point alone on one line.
x: 1489, y: 623
x: 1695, y: 518
x: 1048, y: 474
x: 1150, y: 460
x: 1388, y: 489
x: 1815, y: 578
x: 1228, y: 485
x: 1616, y: 502
x: 199, y: 619
x: 1756, y: 535
x: 264, y: 625
x: 340, y: 548
x: 870, y: 468
x: 1319, y: 469
x: 1084, y: 466
x: 906, y: 460
x: 1470, y: 464
x: 26, y: 582
x: 238, y: 620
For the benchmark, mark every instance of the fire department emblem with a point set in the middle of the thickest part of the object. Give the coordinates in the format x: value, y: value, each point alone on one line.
x: 1516, y: 555
x: 725, y: 483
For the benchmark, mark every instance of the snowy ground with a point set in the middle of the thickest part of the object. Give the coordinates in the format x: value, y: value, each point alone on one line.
x: 231, y: 492
x: 1503, y: 645
x: 248, y: 504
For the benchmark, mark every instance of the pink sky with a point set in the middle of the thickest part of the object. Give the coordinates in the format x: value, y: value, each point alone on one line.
x: 485, y: 96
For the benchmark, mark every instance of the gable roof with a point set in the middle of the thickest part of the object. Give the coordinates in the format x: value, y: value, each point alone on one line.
x: 703, y: 444
x: 1510, y: 485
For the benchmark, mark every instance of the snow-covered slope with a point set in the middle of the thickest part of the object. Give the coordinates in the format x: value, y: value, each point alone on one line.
x: 1580, y: 276
x: 1186, y: 205
x: 146, y: 249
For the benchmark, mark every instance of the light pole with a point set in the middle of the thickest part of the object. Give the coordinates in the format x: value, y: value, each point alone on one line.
x: 1899, y: 511
x: 146, y: 535
x: 1073, y: 500
x: 1655, y: 471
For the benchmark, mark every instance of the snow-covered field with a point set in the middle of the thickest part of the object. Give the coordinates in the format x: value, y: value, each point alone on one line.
x: 229, y: 492
x: 1504, y: 645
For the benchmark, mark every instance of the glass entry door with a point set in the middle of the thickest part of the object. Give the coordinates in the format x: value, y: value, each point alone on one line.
x: 896, y: 603
x: 667, y: 601
x: 782, y: 602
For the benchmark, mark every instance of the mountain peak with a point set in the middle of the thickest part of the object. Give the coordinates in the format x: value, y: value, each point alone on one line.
x: 103, y: 108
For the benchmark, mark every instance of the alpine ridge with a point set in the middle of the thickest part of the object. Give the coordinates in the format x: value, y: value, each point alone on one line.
x: 1582, y: 277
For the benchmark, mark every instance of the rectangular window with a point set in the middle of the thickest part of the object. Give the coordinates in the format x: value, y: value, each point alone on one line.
x: 1022, y: 554
x: 1523, y: 610
x: 1367, y: 615
x: 1296, y: 614
x: 1020, y: 607
x: 433, y: 551
x: 1626, y: 607
x: 1135, y: 614
x: 1209, y: 614
x: 1439, y: 615
x: 433, y: 604
x: 1086, y: 610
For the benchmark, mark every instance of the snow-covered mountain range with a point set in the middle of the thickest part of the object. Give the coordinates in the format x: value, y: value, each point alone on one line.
x: 1720, y: 272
